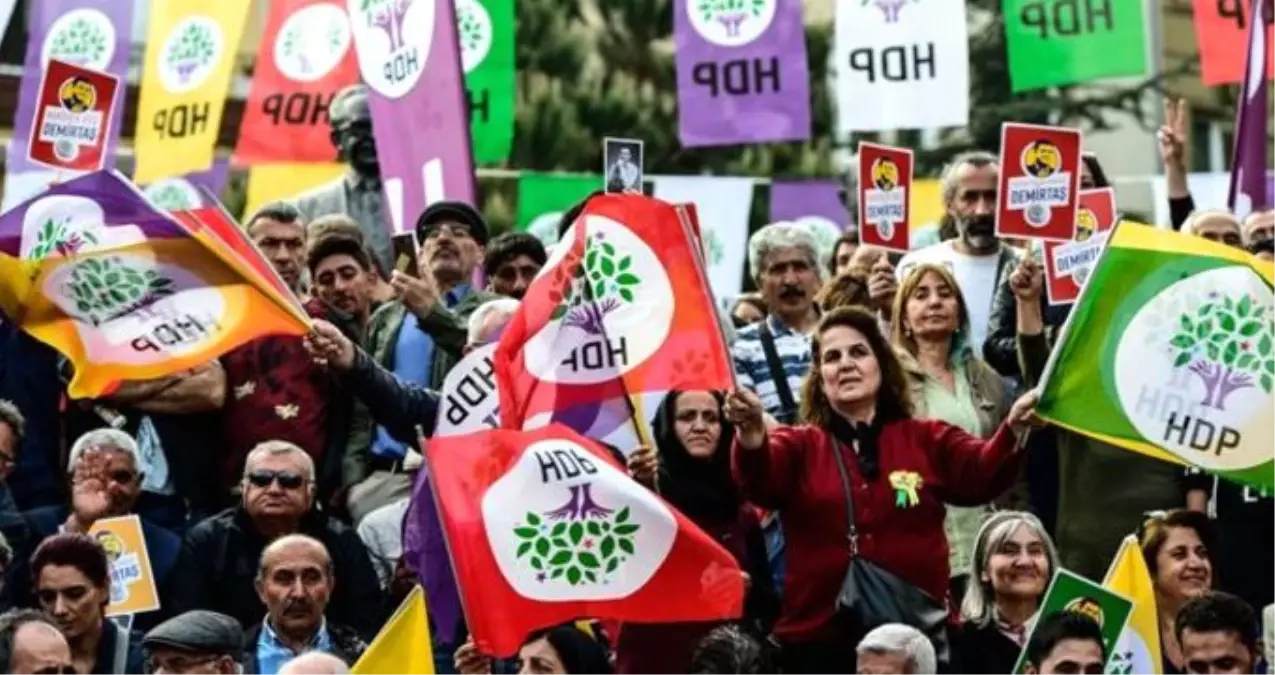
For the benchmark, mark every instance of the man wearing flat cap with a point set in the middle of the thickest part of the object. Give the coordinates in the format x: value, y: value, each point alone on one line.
x: 198, y: 641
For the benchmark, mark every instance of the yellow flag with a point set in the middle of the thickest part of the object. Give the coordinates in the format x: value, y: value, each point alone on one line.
x: 271, y: 182
x: 190, y: 56
x: 1138, y: 650
x: 403, y: 645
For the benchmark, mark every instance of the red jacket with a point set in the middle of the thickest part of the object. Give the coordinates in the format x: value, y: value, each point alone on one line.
x: 796, y: 474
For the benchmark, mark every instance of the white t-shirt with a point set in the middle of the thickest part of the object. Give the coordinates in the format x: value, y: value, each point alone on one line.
x: 976, y: 275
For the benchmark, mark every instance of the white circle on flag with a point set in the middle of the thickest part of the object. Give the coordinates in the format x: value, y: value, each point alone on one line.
x: 190, y: 53
x: 84, y: 37
x: 473, y: 26
x: 731, y: 23
x: 618, y: 322
x: 393, y: 39
x: 1193, y: 369
x: 174, y: 194
x: 545, y: 227
x: 62, y: 225
x: 565, y: 525
x: 311, y: 42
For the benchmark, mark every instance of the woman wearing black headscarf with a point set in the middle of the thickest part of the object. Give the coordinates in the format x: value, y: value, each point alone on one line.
x: 693, y: 440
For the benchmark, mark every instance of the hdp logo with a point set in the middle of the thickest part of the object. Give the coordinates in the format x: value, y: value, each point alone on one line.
x: 731, y: 23
x: 1041, y: 159
x: 311, y: 42
x: 190, y: 54
x: 890, y: 8
x: 84, y: 37
x: 77, y: 94
x: 393, y: 38
x: 885, y: 174
x: 473, y: 24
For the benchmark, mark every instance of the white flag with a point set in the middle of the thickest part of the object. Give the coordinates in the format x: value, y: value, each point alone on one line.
x: 901, y: 64
x: 723, y: 205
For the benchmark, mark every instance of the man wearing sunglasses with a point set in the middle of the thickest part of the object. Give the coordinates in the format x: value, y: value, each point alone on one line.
x: 30, y: 643
x: 278, y: 500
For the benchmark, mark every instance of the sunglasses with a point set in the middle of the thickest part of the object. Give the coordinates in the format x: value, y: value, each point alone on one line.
x: 286, y: 479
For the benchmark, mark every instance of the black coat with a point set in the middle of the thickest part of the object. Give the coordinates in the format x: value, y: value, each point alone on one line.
x: 226, y: 550
x: 983, y: 650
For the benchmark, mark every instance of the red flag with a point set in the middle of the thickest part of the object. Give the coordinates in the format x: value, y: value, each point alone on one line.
x: 213, y: 222
x: 306, y: 56
x: 544, y: 527
x: 1221, y: 30
x: 622, y: 307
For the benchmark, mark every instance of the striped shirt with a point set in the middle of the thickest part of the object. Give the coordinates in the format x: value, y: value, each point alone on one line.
x: 793, y: 349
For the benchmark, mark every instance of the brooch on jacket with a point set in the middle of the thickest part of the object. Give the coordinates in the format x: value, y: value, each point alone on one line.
x: 906, y: 484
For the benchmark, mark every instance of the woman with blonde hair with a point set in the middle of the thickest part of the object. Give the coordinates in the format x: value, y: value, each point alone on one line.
x: 947, y: 382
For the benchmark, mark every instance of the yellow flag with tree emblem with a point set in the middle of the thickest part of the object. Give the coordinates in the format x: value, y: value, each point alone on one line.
x: 1138, y: 649
x: 190, y: 57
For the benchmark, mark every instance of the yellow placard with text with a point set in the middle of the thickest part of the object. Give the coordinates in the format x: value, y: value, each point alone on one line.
x: 132, y: 578
x: 190, y: 58
x: 272, y: 182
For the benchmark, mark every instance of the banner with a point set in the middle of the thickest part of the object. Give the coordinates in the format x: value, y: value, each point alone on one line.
x: 306, y: 56
x: 486, y: 32
x: 1070, y: 592
x: 132, y: 577
x: 885, y: 195
x: 1247, y: 191
x: 1058, y: 42
x: 73, y: 118
x: 1039, y: 182
x: 93, y: 34
x: 901, y: 66
x: 813, y: 204
x: 1067, y: 264
x: 190, y: 57
x: 1138, y: 649
x: 1221, y: 31
x: 742, y: 75
x: 183, y: 192
x: 724, y: 205
x: 544, y: 197
x: 409, y: 58
x: 273, y: 182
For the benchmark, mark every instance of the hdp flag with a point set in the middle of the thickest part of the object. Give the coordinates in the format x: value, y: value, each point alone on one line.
x: 544, y: 527
x: 1252, y: 117
x: 403, y: 645
x: 1138, y: 649
x: 622, y: 307
x: 1169, y: 352
x: 124, y: 291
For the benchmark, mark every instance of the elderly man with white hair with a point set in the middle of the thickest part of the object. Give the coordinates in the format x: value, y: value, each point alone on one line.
x: 106, y: 481
x: 278, y: 499
x: 896, y: 648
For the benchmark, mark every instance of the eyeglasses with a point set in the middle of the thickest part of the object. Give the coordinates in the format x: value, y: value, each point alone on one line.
x: 452, y: 229
x: 286, y: 479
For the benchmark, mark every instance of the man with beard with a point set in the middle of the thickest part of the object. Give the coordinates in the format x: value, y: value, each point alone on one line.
x: 357, y: 193
x: 512, y: 261
x: 294, y: 582
x: 452, y: 236
x: 977, y: 259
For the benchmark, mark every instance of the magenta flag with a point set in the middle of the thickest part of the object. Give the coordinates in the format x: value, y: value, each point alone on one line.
x: 409, y: 57
x: 1252, y: 117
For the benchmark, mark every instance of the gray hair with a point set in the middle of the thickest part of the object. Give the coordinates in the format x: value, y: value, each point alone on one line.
x: 99, y: 440
x: 1188, y: 225
x: 979, y: 605
x: 315, y: 663
x: 476, y: 320
x: 280, y: 211
x: 288, y: 540
x: 780, y: 235
x: 901, y: 639
x: 975, y: 158
x: 10, y: 415
x: 276, y: 448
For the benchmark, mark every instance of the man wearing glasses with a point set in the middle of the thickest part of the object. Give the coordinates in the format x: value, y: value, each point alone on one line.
x: 278, y: 500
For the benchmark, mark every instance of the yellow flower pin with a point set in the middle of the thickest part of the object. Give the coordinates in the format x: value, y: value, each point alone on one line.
x: 906, y: 484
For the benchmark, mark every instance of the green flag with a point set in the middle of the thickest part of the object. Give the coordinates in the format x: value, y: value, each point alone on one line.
x: 1071, y: 592
x: 486, y: 31
x: 542, y: 198
x: 1059, y: 42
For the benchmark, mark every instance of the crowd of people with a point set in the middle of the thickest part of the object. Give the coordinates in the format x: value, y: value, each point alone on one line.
x: 879, y: 428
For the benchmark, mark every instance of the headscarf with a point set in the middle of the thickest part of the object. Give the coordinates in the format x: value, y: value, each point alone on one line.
x: 701, y: 489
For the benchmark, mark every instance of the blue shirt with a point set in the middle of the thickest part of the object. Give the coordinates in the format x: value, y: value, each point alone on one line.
x: 272, y: 653
x: 453, y: 297
x: 413, y: 362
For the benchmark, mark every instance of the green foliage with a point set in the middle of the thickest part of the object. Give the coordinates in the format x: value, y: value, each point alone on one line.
x: 580, y: 551
x: 1233, y: 334
x: 106, y: 288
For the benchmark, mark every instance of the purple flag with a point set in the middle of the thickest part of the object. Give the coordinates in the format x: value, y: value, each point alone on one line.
x: 815, y: 204
x: 425, y: 552
x: 93, y: 34
x: 409, y: 56
x: 1248, y: 171
x: 741, y: 72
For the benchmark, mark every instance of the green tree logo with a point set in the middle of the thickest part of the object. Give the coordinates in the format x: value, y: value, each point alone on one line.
x: 585, y: 543
x: 1228, y: 345
x: 108, y: 288
x: 194, y: 48
x: 83, y: 42
x: 56, y: 236
x: 604, y: 283
x: 890, y: 8
x: 474, y: 27
x: 171, y: 196
x: 731, y: 14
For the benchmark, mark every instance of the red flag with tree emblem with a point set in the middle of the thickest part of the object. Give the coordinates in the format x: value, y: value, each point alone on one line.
x: 544, y: 526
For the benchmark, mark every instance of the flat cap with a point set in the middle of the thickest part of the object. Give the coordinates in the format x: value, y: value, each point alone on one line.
x: 458, y: 211
x: 198, y: 631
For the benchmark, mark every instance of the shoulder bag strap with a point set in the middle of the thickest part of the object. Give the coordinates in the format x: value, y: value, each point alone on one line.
x: 777, y: 372
x: 852, y: 531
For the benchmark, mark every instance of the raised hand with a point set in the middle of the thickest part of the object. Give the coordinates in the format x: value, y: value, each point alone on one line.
x: 418, y: 295
x: 743, y: 408
x: 644, y: 464
x: 329, y: 346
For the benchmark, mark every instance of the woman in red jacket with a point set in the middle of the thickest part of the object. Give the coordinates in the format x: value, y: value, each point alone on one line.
x: 901, y: 470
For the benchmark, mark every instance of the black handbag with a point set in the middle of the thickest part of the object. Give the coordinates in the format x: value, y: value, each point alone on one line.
x: 871, y: 595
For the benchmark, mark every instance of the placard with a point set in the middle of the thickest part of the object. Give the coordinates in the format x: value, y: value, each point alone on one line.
x: 1067, y: 265
x: 1070, y: 592
x: 885, y: 194
x: 1039, y: 182
x: 132, y: 578
x: 73, y: 117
